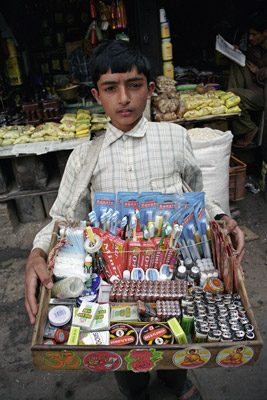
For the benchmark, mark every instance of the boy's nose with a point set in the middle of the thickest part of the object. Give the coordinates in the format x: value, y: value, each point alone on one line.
x: 123, y: 96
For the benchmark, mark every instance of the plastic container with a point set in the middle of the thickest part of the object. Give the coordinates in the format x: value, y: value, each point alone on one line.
x: 165, y: 30
x: 166, y: 47
x: 168, y: 69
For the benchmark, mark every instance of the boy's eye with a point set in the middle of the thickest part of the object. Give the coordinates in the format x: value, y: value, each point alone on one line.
x: 110, y: 88
x: 135, y: 85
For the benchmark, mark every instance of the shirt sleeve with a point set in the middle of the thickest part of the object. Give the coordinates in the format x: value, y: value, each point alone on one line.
x: 63, y: 201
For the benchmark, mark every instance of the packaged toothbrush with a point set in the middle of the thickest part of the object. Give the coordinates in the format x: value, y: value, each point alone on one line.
x: 104, y: 201
x: 187, y: 220
x: 148, y: 207
x: 129, y: 202
x: 203, y: 229
x: 119, y: 202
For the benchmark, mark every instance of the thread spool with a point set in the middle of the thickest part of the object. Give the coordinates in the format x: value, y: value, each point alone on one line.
x: 93, y: 248
x: 70, y: 287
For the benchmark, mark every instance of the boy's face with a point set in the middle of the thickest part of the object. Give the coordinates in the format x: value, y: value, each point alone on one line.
x: 123, y: 96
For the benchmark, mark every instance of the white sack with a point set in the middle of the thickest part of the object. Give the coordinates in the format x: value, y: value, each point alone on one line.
x: 213, y: 156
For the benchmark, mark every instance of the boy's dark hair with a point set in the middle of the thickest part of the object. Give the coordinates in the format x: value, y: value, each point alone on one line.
x: 118, y: 56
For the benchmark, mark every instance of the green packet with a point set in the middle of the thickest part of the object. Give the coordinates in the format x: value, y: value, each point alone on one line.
x: 186, y: 87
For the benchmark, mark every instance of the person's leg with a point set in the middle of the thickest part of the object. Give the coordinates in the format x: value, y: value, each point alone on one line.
x: 174, y: 379
x: 243, y: 125
x: 240, y: 77
x: 133, y: 385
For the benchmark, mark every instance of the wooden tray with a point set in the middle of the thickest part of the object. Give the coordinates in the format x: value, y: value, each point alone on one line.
x: 144, y: 358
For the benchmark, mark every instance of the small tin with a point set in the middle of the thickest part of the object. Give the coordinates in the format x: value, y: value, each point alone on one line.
x: 235, y: 327
x: 226, y: 337
x: 239, y: 335
x: 49, y: 342
x: 244, y: 321
x: 201, y: 335
x: 250, y: 335
x: 248, y: 328
x: 61, y: 336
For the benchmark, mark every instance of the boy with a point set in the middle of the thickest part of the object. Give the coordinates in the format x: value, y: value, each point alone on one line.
x: 136, y: 155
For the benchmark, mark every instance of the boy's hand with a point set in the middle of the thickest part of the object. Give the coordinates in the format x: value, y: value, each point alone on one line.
x: 232, y: 228
x: 36, y: 269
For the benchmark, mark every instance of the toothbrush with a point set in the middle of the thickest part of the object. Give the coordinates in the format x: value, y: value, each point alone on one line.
x: 132, y: 228
x: 193, y: 246
x: 103, y: 216
x: 175, y: 231
x: 184, y: 247
x: 124, y: 224
x: 109, y: 215
x: 93, y: 218
x: 151, y: 229
x: 145, y: 233
x: 206, y: 246
x: 158, y: 224
x: 137, y: 214
x: 179, y: 232
x: 197, y: 238
x: 90, y: 234
x: 166, y: 232
x: 114, y: 221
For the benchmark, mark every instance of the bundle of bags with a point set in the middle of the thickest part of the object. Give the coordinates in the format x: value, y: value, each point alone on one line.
x: 71, y: 125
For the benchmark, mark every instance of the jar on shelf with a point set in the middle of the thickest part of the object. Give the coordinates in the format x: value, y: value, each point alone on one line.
x: 166, y: 46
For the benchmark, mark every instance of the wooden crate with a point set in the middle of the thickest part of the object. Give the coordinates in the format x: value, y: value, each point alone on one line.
x: 110, y: 358
x: 237, y: 179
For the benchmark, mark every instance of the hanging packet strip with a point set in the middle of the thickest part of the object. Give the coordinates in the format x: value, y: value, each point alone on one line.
x: 104, y: 201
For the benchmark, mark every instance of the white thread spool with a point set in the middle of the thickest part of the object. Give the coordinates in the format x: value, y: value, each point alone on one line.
x: 70, y: 287
x: 93, y: 248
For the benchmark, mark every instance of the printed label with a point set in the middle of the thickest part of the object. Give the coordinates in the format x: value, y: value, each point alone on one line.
x: 191, y: 357
x: 102, y: 361
x: 234, y: 356
x: 62, y: 359
x: 143, y: 360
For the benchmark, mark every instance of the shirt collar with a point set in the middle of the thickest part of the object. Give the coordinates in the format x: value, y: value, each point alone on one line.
x: 113, y: 133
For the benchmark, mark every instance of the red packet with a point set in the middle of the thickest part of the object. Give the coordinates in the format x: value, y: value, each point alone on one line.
x: 146, y: 255
x: 170, y: 256
x: 159, y: 254
x: 114, y: 263
x: 134, y: 250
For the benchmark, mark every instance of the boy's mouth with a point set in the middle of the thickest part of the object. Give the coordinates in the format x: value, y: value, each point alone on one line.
x: 125, y: 112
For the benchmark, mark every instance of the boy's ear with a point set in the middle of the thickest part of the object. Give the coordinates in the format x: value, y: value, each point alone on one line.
x: 96, y: 96
x: 151, y: 88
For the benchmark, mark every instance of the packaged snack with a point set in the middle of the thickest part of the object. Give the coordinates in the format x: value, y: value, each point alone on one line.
x: 218, y: 110
x: 235, y: 109
x: 232, y: 101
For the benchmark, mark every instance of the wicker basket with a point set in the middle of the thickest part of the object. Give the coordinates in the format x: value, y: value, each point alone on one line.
x: 68, y: 93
